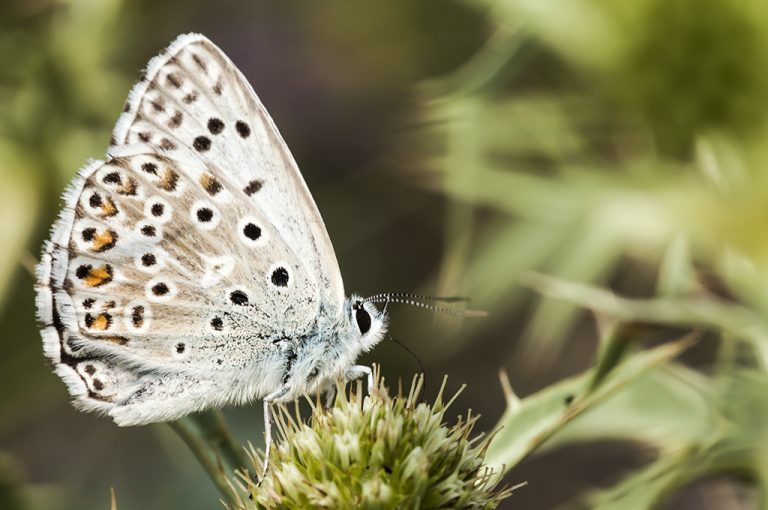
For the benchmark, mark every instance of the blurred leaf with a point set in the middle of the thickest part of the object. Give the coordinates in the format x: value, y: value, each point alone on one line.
x: 461, y: 166
x: 521, y: 430
x: 500, y: 48
x: 643, y: 52
x: 694, y: 446
x: 614, y: 342
x: 581, y: 29
x: 645, y: 488
x: 11, y: 490
x: 551, y: 320
x: 706, y: 312
x: 18, y: 213
x: 624, y: 143
x: 663, y: 410
x: 676, y: 276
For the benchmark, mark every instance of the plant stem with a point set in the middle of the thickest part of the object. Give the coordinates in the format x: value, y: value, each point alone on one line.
x: 206, y: 455
x: 216, y: 434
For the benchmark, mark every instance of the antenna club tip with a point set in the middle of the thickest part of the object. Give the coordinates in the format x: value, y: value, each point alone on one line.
x: 475, y: 313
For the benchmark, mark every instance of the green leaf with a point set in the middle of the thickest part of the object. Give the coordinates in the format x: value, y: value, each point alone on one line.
x: 523, y: 429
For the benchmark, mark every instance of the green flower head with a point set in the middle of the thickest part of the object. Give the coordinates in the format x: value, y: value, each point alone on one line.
x: 374, y: 452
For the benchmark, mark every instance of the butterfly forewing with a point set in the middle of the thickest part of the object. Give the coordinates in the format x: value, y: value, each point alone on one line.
x: 194, y: 99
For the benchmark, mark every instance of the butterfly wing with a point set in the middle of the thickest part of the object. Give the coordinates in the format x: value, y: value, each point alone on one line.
x: 181, y: 265
x: 192, y: 98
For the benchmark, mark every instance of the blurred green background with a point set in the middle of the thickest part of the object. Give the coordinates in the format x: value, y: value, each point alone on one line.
x: 453, y: 147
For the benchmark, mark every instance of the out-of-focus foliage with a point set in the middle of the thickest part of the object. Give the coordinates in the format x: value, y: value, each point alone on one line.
x: 611, y: 141
x: 645, y: 125
x: 11, y: 492
x: 699, y: 425
x: 52, y: 109
x: 529, y: 424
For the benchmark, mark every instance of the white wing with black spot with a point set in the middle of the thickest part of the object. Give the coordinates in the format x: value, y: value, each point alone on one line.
x: 180, y: 265
x: 193, y: 99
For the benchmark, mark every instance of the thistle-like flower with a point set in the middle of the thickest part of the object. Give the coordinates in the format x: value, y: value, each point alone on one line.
x: 374, y: 452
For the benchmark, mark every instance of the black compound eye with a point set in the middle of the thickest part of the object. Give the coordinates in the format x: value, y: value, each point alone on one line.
x: 363, y: 320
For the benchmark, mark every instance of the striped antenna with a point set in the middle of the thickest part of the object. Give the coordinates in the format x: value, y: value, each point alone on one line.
x: 418, y: 301
x: 407, y: 295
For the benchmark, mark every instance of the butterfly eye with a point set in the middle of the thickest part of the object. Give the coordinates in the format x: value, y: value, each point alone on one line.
x: 363, y: 320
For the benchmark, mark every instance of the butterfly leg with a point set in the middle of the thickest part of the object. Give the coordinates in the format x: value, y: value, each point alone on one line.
x: 358, y: 371
x: 330, y: 396
x: 268, y: 426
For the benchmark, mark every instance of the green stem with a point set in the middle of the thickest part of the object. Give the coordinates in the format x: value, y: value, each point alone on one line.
x: 216, y: 434
x: 189, y: 433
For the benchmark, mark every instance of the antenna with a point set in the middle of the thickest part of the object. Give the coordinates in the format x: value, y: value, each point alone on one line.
x: 418, y: 301
x: 406, y: 295
x: 418, y: 360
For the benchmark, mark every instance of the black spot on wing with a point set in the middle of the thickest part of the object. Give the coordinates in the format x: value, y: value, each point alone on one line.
x: 157, y: 209
x: 243, y: 129
x: 238, y: 297
x: 160, y: 289
x: 251, y: 231
x: 202, y: 144
x: 252, y: 187
x: 280, y: 277
x: 204, y: 215
x: 215, y: 126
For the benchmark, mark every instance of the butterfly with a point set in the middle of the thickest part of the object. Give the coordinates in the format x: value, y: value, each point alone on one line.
x: 191, y: 268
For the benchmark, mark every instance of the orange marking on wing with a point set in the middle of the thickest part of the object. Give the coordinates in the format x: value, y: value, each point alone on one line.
x: 169, y: 180
x: 128, y: 187
x: 98, y: 276
x: 210, y: 183
x: 103, y: 241
x: 101, y: 322
x: 108, y: 208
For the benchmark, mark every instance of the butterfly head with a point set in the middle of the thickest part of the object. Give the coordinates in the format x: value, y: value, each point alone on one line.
x: 367, y: 321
